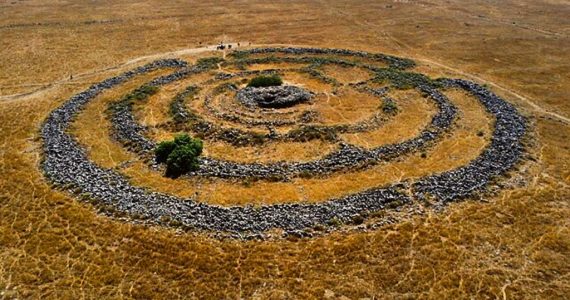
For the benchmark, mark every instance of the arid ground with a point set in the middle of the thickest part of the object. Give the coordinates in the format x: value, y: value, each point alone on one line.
x: 510, y: 243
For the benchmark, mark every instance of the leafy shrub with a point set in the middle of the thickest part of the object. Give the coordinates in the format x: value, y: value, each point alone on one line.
x: 180, y: 155
x: 262, y: 81
x: 389, y: 107
x: 164, y: 149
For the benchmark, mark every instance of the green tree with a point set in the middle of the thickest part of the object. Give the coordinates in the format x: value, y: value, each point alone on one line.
x: 180, y: 155
x: 163, y: 150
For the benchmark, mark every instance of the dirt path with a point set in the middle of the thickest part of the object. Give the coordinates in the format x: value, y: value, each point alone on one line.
x: 530, y: 102
x: 410, y: 52
x: 402, y: 47
x: 48, y: 86
x: 536, y: 107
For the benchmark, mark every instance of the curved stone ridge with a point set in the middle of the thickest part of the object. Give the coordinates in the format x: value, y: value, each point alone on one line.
x: 392, y: 61
x: 346, y: 157
x: 272, y: 96
x: 65, y: 163
x: 504, y: 151
x: 239, y: 137
x: 284, y: 117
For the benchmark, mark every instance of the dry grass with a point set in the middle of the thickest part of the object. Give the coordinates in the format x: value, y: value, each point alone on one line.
x: 104, y: 150
x: 415, y: 111
x: 347, y: 106
x: 155, y: 110
x: 271, y: 152
x: 515, y: 246
x: 346, y: 75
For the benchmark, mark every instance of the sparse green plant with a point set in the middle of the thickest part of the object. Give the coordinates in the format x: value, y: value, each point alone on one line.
x: 239, y: 54
x: 209, y: 62
x: 357, y: 220
x: 336, y: 222
x: 228, y: 86
x: 389, y: 107
x: 319, y: 75
x: 305, y: 174
x: 404, y: 80
x: 311, y: 132
x: 141, y: 93
x: 319, y: 227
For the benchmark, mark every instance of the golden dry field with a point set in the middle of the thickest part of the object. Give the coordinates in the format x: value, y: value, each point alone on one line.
x: 509, y: 241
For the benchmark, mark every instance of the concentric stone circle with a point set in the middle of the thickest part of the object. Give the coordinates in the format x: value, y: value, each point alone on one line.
x: 65, y: 162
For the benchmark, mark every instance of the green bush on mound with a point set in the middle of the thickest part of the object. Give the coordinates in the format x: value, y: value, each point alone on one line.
x: 180, y: 155
x: 263, y: 81
x: 389, y: 107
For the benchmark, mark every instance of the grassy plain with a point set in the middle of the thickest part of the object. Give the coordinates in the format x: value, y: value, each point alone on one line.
x: 512, y: 245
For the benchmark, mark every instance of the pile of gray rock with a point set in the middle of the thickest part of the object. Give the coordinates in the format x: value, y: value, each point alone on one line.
x: 247, y: 119
x: 273, y: 96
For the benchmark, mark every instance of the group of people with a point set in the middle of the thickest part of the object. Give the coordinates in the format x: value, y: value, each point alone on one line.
x: 221, y: 46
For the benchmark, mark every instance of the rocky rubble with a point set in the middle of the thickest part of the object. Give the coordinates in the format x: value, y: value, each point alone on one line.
x: 65, y: 164
x: 272, y: 96
x: 392, y: 61
x: 275, y: 117
x: 243, y: 118
x: 346, y: 157
x: 235, y: 136
x: 500, y: 156
x: 177, y: 108
x: 128, y: 131
x: 278, y: 118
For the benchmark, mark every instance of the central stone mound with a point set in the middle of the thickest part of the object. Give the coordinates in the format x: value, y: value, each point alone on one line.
x: 272, y: 96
